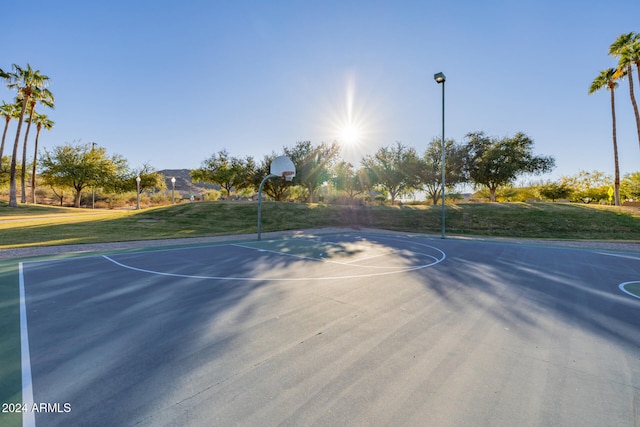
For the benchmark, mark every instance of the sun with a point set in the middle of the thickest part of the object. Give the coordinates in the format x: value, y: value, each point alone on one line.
x: 350, y: 121
x: 350, y: 134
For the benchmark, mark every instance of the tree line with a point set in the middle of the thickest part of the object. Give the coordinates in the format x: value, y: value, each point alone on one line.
x: 397, y: 169
x: 392, y: 172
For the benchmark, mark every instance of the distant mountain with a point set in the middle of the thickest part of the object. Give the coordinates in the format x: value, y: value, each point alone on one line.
x: 183, y: 182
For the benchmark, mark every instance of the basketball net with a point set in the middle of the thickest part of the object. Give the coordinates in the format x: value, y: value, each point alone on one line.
x: 288, y: 175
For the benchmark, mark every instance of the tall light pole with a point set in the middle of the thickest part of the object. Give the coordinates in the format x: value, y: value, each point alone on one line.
x: 440, y: 78
x: 93, y: 185
x: 173, y: 189
x: 138, y: 192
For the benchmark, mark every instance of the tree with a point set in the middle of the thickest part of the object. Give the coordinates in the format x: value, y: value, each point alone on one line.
x: 630, y: 186
x: 346, y: 179
x: 554, y: 191
x: 4, y: 174
x: 395, y: 168
x: 495, y: 162
x: 150, y: 179
x: 607, y: 80
x: 9, y: 112
x: 45, y: 97
x: 25, y: 81
x: 430, y: 171
x: 588, y: 187
x: 41, y: 121
x: 228, y: 172
x: 627, y: 49
x: 80, y: 166
x: 313, y: 164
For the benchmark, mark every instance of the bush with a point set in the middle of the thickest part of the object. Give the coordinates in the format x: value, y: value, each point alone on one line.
x: 211, y: 195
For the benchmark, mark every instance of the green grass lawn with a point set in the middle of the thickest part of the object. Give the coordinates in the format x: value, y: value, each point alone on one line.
x: 30, y: 225
x: 10, y: 371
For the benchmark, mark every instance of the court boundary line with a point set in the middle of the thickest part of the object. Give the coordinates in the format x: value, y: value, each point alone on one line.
x: 291, y: 279
x: 28, y: 416
x: 621, y: 286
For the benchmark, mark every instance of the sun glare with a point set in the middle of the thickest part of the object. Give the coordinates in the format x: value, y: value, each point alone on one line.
x: 350, y: 134
x: 350, y: 122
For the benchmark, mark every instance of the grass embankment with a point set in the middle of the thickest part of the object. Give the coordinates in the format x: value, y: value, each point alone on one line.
x: 30, y: 225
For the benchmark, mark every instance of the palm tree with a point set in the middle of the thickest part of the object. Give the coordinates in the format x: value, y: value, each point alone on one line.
x: 8, y: 111
x: 633, y: 51
x: 25, y: 81
x: 41, y: 121
x: 627, y: 49
x: 45, y: 97
x: 607, y: 80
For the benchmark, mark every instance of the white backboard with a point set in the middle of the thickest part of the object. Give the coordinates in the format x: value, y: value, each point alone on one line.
x: 283, y: 166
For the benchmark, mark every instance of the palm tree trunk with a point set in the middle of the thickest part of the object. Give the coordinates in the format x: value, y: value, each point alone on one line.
x: 4, y: 135
x: 633, y: 100
x: 33, y: 172
x: 616, y: 180
x: 23, y: 197
x: 13, y: 203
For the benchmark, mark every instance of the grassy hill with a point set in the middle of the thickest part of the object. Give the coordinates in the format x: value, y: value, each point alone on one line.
x: 43, y: 225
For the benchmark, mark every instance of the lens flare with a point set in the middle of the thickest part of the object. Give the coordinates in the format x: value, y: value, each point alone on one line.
x: 350, y: 121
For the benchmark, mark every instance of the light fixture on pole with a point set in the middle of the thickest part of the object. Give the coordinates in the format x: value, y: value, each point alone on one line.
x: 173, y: 189
x: 440, y: 78
x: 138, y: 192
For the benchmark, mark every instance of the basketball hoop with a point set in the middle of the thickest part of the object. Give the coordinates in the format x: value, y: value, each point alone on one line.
x: 284, y: 167
x: 280, y: 166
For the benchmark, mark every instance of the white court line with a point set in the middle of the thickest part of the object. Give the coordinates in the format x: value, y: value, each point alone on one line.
x: 160, y: 273
x: 618, y: 255
x: 621, y: 286
x: 287, y: 279
x: 350, y: 263
x: 28, y: 416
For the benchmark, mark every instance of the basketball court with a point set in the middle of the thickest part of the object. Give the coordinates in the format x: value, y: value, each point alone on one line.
x: 338, y: 329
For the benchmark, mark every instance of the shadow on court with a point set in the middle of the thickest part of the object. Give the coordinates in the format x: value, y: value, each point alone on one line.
x: 530, y: 282
x: 340, y: 330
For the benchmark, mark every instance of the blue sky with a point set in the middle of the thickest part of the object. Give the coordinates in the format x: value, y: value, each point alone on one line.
x: 170, y: 83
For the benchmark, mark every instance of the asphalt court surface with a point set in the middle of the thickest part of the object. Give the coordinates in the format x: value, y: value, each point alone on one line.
x: 343, y: 329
